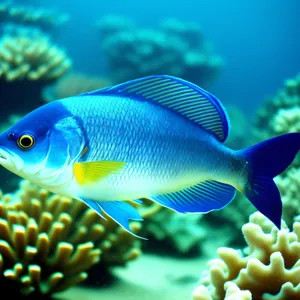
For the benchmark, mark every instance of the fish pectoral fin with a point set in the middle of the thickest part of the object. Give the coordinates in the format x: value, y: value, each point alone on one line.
x: 201, y: 198
x: 120, y: 212
x: 90, y: 172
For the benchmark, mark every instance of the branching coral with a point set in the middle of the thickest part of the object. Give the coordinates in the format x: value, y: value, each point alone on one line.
x: 48, y: 242
x: 176, y: 49
x: 24, y: 58
x: 27, y: 15
x: 27, y: 64
x: 269, y: 268
x: 188, y: 235
x: 286, y: 120
x: 278, y: 108
x: 74, y: 84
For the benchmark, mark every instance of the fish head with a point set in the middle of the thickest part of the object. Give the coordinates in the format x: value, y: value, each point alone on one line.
x: 43, y: 144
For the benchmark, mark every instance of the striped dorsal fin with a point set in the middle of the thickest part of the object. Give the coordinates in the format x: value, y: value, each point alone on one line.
x: 183, y: 97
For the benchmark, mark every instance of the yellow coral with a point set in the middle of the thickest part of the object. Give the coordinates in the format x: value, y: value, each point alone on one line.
x: 269, y: 268
x: 31, y: 58
x: 286, y: 120
x: 48, y: 242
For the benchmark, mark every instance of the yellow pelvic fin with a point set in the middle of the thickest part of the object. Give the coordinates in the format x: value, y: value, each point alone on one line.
x: 90, y: 172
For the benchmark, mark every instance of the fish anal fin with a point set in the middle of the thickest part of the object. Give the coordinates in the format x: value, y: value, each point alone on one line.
x: 201, y: 198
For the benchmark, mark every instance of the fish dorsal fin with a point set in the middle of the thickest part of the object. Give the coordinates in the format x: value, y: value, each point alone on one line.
x: 179, y: 95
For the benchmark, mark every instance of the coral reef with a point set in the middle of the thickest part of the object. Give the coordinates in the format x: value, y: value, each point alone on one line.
x: 175, y: 48
x: 25, y: 59
x: 228, y: 221
x: 27, y: 64
x: 30, y: 16
x: 277, y: 116
x: 74, y: 84
x: 273, y: 117
x: 188, y: 235
x: 49, y: 242
x: 174, y: 233
x: 268, y: 268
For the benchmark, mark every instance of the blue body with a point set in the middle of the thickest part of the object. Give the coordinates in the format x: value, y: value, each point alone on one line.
x: 166, y: 133
x: 159, y: 147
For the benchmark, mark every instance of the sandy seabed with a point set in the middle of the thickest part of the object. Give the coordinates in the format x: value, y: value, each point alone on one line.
x: 151, y: 277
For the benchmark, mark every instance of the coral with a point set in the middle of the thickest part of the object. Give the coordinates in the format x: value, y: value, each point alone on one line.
x: 48, y: 242
x: 286, y: 98
x: 188, y: 235
x: 232, y: 292
x: 27, y: 64
x: 175, y: 48
x: 230, y: 220
x: 173, y: 232
x: 269, y: 268
x: 286, y: 120
x: 30, y: 16
x: 23, y: 58
x: 289, y: 186
x: 74, y: 84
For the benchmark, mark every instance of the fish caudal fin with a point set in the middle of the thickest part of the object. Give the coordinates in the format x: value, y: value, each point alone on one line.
x: 267, y: 160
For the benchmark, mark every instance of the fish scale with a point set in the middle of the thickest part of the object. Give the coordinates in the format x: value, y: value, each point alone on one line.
x: 150, y: 154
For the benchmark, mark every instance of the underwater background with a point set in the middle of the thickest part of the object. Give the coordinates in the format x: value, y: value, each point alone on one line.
x: 244, y: 52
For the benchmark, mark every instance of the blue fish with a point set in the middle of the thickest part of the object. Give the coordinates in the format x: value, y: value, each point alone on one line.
x: 158, y: 137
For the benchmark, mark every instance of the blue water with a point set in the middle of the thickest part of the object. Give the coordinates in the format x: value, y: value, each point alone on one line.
x: 259, y: 40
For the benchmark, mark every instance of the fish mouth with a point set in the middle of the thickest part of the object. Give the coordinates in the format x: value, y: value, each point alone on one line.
x: 4, y: 157
x: 10, y: 161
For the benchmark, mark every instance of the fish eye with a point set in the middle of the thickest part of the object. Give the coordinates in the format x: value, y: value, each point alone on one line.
x: 26, y: 142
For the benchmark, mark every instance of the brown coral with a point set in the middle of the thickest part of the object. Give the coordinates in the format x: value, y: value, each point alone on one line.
x: 27, y: 58
x: 27, y: 64
x: 269, y: 268
x: 48, y: 242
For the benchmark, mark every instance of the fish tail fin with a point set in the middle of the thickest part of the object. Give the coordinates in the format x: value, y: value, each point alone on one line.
x: 267, y: 160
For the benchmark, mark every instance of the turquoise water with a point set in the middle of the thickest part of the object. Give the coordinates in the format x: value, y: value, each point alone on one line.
x: 245, y: 53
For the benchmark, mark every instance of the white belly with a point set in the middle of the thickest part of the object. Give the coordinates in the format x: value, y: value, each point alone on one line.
x: 136, y: 187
